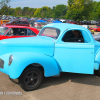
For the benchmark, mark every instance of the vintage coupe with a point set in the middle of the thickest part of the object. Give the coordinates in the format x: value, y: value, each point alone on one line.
x: 51, y: 52
x: 17, y: 31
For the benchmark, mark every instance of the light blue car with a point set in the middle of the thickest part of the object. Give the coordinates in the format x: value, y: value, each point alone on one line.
x: 59, y: 47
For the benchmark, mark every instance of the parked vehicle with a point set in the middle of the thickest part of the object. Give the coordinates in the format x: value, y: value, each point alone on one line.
x: 17, y: 31
x: 98, y: 24
x: 72, y: 22
x: 18, y: 23
x: 96, y: 29
x: 69, y: 21
x: 93, y: 22
x: 63, y: 20
x: 87, y: 22
x: 49, y: 54
x: 3, y: 22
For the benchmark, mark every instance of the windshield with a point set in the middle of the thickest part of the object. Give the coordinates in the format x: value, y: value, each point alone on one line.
x: 3, y: 30
x: 50, y: 32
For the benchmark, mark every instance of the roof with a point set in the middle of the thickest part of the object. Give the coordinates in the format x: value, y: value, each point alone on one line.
x: 15, y: 26
x: 64, y: 26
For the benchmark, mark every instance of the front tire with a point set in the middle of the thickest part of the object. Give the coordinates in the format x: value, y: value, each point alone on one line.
x: 30, y: 79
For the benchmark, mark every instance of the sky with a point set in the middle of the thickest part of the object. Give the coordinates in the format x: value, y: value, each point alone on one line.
x: 37, y: 3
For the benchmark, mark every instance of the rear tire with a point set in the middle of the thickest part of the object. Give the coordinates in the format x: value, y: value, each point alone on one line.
x: 97, y: 72
x: 30, y: 79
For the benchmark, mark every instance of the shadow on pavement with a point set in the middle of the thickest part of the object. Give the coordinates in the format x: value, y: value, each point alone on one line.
x: 73, y: 77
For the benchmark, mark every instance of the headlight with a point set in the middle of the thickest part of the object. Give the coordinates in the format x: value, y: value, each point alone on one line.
x: 10, y: 59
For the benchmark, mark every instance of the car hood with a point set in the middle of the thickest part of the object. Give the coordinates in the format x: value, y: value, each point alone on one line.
x: 38, y: 44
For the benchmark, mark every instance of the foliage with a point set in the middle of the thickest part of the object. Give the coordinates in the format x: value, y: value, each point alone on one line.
x: 45, y: 12
x: 95, y: 10
x: 17, y: 11
x: 98, y: 12
x: 37, y: 13
x: 75, y: 10
x: 59, y: 11
x: 4, y: 6
x: 79, y: 9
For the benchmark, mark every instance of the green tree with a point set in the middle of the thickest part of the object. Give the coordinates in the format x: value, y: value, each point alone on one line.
x: 37, y: 13
x: 79, y: 9
x: 4, y: 6
x: 17, y: 11
x: 88, y: 9
x: 95, y: 11
x: 98, y: 12
x: 25, y: 11
x: 60, y: 11
x: 46, y: 12
x: 12, y: 11
x: 3, y: 3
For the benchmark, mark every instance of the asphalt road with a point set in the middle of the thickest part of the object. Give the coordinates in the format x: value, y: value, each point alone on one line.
x: 69, y: 86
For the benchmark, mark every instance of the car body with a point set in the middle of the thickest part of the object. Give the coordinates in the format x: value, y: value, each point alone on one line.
x: 98, y: 24
x: 17, y: 32
x: 96, y: 29
x: 87, y: 22
x: 3, y: 22
x: 72, y: 22
x: 48, y: 54
x: 93, y: 22
x: 18, y: 23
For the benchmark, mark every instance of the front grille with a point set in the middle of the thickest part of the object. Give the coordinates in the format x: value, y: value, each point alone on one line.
x: 1, y: 63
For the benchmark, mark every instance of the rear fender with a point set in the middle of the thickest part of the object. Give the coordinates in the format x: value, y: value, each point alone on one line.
x: 97, y: 61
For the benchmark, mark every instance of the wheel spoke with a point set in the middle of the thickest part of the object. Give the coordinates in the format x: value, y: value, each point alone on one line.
x: 27, y: 82
x: 32, y: 75
x: 28, y: 77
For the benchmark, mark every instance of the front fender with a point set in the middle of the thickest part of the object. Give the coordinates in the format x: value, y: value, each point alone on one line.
x: 22, y: 59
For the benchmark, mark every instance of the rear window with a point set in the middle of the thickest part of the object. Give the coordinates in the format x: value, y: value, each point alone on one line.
x: 50, y: 32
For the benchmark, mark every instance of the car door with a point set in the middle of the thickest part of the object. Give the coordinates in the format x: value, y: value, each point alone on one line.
x: 75, y: 57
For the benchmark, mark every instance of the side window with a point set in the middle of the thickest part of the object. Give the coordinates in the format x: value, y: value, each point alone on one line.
x: 17, y: 32
x: 73, y: 36
x: 30, y: 32
x: 10, y: 32
x: 14, y: 22
x: 22, y: 31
